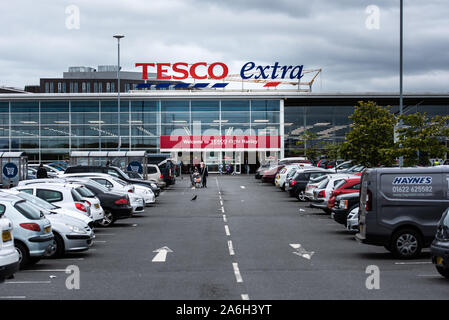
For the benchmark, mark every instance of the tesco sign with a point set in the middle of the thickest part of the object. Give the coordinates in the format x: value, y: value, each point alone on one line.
x: 219, y: 70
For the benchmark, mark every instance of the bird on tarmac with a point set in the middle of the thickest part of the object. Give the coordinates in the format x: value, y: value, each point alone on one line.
x: 194, y: 198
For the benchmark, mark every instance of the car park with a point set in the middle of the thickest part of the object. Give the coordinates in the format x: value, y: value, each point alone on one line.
x: 115, y: 172
x: 33, y: 236
x: 9, y: 257
x: 440, y: 246
x: 63, y: 195
x: 400, y: 208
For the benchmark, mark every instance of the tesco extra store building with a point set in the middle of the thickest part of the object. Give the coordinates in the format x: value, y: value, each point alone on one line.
x: 214, y: 126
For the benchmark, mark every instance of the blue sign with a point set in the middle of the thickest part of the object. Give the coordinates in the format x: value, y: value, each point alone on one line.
x: 10, y: 170
x: 135, y: 166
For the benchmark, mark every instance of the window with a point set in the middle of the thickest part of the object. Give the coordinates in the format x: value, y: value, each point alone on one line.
x: 83, y: 87
x: 112, y: 87
x: 85, y: 192
x: 75, y: 87
x: 29, y: 191
x: 113, y: 173
x: 47, y: 87
x: 76, y: 196
x: 49, y: 195
x: 108, y: 87
x: 88, y: 87
x: 29, y: 211
x: 355, y: 187
x: 151, y: 170
x: 71, y: 87
x: 52, y: 87
x: 59, y: 87
x: 103, y: 182
x: 2, y: 209
x: 95, y: 86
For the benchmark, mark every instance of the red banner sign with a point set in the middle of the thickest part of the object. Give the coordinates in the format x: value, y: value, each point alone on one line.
x: 220, y: 142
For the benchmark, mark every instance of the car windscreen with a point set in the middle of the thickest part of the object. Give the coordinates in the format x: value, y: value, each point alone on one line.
x: 84, y: 192
x: 28, y: 210
x: 121, y: 182
x: 123, y: 173
x: 37, y: 201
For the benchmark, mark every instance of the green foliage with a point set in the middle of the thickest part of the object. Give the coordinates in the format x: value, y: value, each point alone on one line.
x: 370, y: 140
x: 333, y: 150
x: 419, y: 139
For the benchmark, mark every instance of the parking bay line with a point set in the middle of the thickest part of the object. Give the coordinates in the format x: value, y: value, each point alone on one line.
x: 245, y: 297
x: 227, y: 230
x: 27, y: 282
x: 225, y: 219
x: 238, y: 276
x: 231, y: 248
x: 45, y: 270
x: 13, y: 297
x: 413, y: 262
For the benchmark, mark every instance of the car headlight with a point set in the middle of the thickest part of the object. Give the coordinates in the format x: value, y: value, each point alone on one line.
x: 154, y: 185
x: 75, y: 229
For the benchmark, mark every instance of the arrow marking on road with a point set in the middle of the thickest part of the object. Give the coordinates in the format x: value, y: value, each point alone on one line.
x: 300, y: 251
x: 161, y: 255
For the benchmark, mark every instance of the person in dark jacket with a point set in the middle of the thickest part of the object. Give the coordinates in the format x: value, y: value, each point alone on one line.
x: 204, y: 173
x: 41, y: 172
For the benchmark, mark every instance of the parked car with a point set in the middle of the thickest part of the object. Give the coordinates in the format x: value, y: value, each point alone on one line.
x: 116, y: 205
x: 51, y: 172
x: 33, y: 236
x: 115, y: 172
x: 261, y: 170
x: 168, y: 171
x: 313, y: 183
x: 344, y: 204
x: 350, y: 185
x: 440, y: 246
x: 297, y: 185
x: 66, y: 196
x: 270, y: 173
x: 155, y: 174
x: 9, y: 257
x: 31, y: 173
x: 400, y: 208
x: 298, y: 160
x: 281, y: 177
x: 352, y: 222
x: 322, y: 192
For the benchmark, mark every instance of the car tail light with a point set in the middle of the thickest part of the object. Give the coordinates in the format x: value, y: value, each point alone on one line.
x: 80, y: 207
x: 130, y: 190
x: 162, y: 176
x: 368, y: 204
x: 31, y: 226
x: 322, y: 194
x: 293, y: 183
x: 122, y: 201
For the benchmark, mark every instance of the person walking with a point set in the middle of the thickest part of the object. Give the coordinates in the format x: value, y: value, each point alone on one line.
x: 204, y: 173
x: 41, y: 172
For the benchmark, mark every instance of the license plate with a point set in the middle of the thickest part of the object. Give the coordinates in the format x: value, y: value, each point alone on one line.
x: 439, y: 261
x: 47, y: 229
x: 97, y: 206
x: 6, y: 236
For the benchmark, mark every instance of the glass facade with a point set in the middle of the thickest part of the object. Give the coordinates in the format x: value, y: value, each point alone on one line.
x: 50, y: 129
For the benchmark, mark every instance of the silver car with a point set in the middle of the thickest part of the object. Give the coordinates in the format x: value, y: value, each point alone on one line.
x: 33, y: 236
x: 71, y: 234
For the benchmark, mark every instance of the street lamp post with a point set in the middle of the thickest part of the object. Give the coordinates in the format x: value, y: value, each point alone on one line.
x: 118, y: 37
x: 401, y: 102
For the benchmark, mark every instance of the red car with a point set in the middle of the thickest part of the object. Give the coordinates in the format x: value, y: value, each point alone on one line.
x: 270, y: 174
x: 348, y: 186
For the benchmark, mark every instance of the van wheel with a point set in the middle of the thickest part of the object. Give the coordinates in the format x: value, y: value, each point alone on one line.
x: 108, y: 219
x: 24, y: 256
x: 443, y: 271
x: 406, y: 244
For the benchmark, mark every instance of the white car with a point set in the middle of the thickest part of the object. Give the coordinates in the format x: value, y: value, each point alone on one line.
x: 322, y: 192
x: 9, y: 257
x: 352, y: 222
x: 117, y: 184
x: 60, y: 194
x: 282, y: 175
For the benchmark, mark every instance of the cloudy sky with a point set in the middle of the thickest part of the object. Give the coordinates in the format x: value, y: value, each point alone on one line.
x: 38, y: 38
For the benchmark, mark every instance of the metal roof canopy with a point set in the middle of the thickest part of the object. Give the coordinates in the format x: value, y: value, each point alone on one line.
x: 12, y: 154
x: 78, y: 154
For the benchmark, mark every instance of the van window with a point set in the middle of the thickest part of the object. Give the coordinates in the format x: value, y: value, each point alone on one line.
x: 151, y: 170
x: 28, y: 211
x: 49, y: 195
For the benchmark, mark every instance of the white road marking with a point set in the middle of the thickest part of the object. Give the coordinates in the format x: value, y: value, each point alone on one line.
x: 302, y: 210
x: 243, y: 187
x: 100, y: 241
x: 44, y: 270
x: 238, y: 276
x: 134, y: 225
x: 231, y: 249
x: 300, y: 251
x: 428, y: 275
x: 245, y: 297
x: 227, y: 230
x: 221, y: 202
x: 161, y: 255
x: 13, y: 297
x: 27, y: 282
x: 225, y: 219
x: 105, y: 234
x: 414, y: 262
x: 222, y: 209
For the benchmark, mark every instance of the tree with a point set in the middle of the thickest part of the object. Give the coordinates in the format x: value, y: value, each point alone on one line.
x: 419, y: 139
x: 310, y: 150
x: 333, y: 150
x: 370, y: 140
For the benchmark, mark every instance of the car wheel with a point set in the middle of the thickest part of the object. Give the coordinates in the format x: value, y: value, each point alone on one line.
x: 302, y: 196
x: 443, y: 271
x: 108, y: 219
x: 406, y: 244
x: 24, y: 256
x: 59, y: 247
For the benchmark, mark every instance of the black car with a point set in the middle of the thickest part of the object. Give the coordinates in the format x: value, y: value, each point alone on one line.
x: 344, y: 204
x: 440, y: 246
x: 115, y: 172
x: 168, y: 170
x: 116, y: 205
x: 297, y: 185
